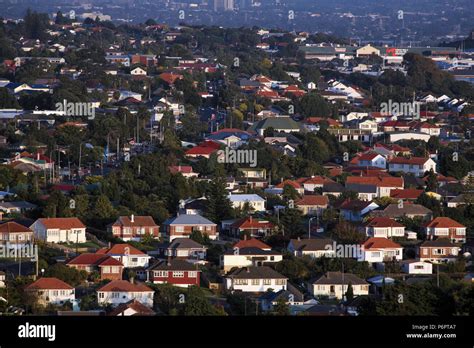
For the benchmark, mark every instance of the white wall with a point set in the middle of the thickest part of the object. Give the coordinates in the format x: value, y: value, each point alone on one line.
x: 230, y: 284
x: 116, y: 298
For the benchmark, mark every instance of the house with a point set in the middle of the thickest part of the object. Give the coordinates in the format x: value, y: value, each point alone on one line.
x: 417, y: 267
x: 447, y: 228
x: 131, y: 308
x: 138, y: 72
x: 186, y: 171
x: 383, y: 184
x: 121, y: 291
x: 106, y: 266
x: 382, y: 227
x: 253, y: 201
x: 251, y: 243
x: 278, y: 124
x: 335, y: 284
x: 15, y: 235
x: 406, y: 194
x: 255, y: 279
x: 128, y: 255
x: 312, y: 204
x: 461, y: 199
x: 174, y: 271
x: 134, y: 228
x: 183, y: 225
x: 395, y: 211
x: 255, y: 227
x: 377, y: 249
x: 314, y: 248
x: 313, y: 183
x: 59, y: 230
x: 414, y: 165
x: 51, y: 291
x: 239, y: 257
x: 355, y: 210
x: 372, y: 159
x: 438, y: 250
x: 18, y: 207
x: 183, y: 248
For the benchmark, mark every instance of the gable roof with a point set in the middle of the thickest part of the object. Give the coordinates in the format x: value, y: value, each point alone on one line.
x: 313, y: 200
x: 138, y: 221
x: 94, y: 259
x: 380, y: 243
x: 440, y: 242
x: 173, y: 265
x: 443, y: 222
x: 383, y: 222
x: 251, y: 243
x: 119, y: 249
x: 311, y: 244
x: 184, y: 243
x: 188, y: 219
x: 62, y: 223
x: 13, y: 227
x: 49, y: 284
x: 413, y: 160
x: 124, y: 286
x: 379, y: 181
x: 331, y: 278
x: 138, y: 307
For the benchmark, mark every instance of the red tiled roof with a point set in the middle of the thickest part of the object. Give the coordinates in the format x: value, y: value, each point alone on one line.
x: 201, y: 150
x: 443, y: 222
x: 119, y: 249
x: 368, y: 156
x: 251, y: 243
x: 406, y: 193
x: 412, y: 160
x: 379, y: 181
x: 180, y: 169
x: 250, y: 223
x: 138, y: 221
x: 49, y: 284
x: 380, y: 243
x: 170, y: 78
x: 94, y: 259
x: 124, y: 286
x: 13, y: 227
x: 62, y: 223
x: 313, y: 200
x: 295, y: 184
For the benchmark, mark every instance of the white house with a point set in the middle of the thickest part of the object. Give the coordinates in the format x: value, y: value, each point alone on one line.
x: 51, y: 291
x: 415, y: 165
x: 255, y: 279
x: 368, y: 125
x: 256, y: 202
x: 246, y: 257
x: 380, y: 250
x: 417, y: 267
x: 59, y: 230
x: 128, y: 255
x: 122, y: 291
x: 335, y: 284
x: 383, y: 227
x: 372, y: 159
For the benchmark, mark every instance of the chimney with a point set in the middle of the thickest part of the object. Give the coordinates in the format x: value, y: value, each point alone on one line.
x: 37, y: 156
x: 299, y: 238
x: 245, y: 236
x: 132, y: 218
x: 110, y: 245
x: 248, y: 269
x: 132, y: 280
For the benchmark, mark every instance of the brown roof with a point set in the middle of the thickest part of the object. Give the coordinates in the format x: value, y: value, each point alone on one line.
x: 311, y: 244
x: 313, y: 200
x: 249, y: 243
x: 331, y: 278
x: 124, y: 286
x: 139, y: 308
x: 380, y: 243
x: 94, y: 259
x: 62, y: 223
x: 13, y: 227
x: 138, y: 221
x: 49, y: 284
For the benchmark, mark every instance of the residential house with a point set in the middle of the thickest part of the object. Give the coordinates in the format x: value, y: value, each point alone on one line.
x: 314, y: 248
x: 377, y: 249
x: 406, y: 194
x: 18, y: 207
x: 355, y: 210
x: 417, y: 267
x: 414, y: 165
x: 255, y: 279
x: 128, y: 255
x: 447, y: 228
x: 278, y: 124
x: 174, y: 271
x: 134, y: 228
x: 438, y: 250
x: 395, y: 211
x: 15, y: 235
x: 312, y: 204
x: 51, y: 291
x: 372, y: 159
x: 106, y: 266
x: 383, y: 184
x: 246, y: 256
x: 253, y: 201
x: 313, y: 183
x: 383, y: 227
x: 121, y: 291
x: 59, y: 230
x: 131, y: 308
x: 255, y: 227
x: 183, y: 225
x: 186, y: 171
x: 335, y: 284
x: 183, y: 248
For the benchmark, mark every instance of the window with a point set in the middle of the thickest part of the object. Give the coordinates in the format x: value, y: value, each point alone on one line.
x: 160, y: 274
x: 179, y: 229
x: 425, y: 251
x: 241, y: 282
x: 267, y: 282
x: 101, y: 295
x: 192, y: 274
x: 178, y: 274
x: 418, y: 267
x: 280, y: 282
x: 255, y: 281
x: 115, y: 295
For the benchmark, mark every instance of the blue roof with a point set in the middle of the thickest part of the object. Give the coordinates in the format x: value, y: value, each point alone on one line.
x: 188, y: 219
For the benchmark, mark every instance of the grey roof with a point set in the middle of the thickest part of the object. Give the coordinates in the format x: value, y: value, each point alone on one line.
x: 463, y: 198
x: 188, y: 219
x: 184, y: 243
x: 392, y: 210
x: 331, y: 278
x: 262, y: 272
x: 19, y: 204
x: 311, y: 244
x: 361, y: 188
x: 172, y: 265
x: 284, y: 294
x: 333, y: 187
x: 279, y: 122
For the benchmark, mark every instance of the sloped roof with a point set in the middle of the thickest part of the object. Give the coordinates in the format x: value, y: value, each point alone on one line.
x: 62, y: 223
x: 49, y: 284
x: 124, y: 286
